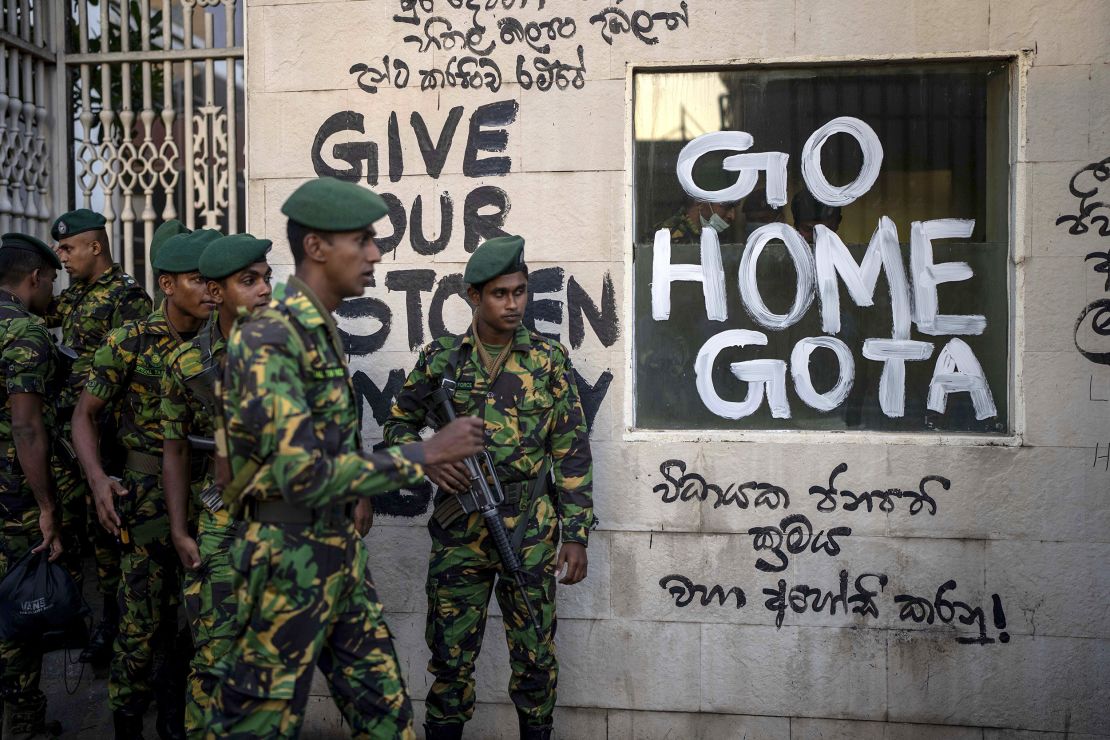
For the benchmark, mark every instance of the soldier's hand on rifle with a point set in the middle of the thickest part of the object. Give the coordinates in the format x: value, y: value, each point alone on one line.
x: 461, y: 438
x: 451, y: 476
x: 573, y: 556
x: 104, y: 491
x: 187, y: 551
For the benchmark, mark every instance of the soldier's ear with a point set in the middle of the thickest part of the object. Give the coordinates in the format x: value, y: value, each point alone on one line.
x: 315, y: 247
x: 166, y: 283
x: 474, y: 295
x: 216, y: 290
x: 96, y: 247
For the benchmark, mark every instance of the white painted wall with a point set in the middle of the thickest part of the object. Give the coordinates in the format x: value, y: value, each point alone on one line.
x: 1028, y: 521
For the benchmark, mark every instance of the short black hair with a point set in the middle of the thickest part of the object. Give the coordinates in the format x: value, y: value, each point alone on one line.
x: 101, y: 236
x: 296, y: 233
x: 479, y: 286
x: 16, y: 264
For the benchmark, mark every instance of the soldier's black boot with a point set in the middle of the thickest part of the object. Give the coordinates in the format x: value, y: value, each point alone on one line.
x: 26, y: 718
x: 99, y: 650
x: 451, y: 731
x: 533, y: 732
x: 169, y: 694
x: 127, y: 726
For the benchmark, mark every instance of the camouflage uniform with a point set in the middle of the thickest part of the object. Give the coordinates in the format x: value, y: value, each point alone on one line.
x: 128, y: 370
x: 27, y: 359
x: 533, y: 418
x: 208, y: 591
x: 683, y: 229
x: 304, y: 594
x: 86, y: 312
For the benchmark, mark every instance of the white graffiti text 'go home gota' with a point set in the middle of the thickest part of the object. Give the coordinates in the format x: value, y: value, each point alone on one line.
x: 819, y: 273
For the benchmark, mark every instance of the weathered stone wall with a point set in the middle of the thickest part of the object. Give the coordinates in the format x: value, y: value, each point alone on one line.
x: 1022, y: 529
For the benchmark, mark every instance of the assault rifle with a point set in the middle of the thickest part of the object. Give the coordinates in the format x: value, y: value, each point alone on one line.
x: 486, y: 493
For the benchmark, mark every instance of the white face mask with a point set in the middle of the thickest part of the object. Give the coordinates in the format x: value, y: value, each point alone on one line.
x: 714, y: 222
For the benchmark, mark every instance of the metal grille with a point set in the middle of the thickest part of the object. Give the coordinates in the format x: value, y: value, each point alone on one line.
x: 27, y: 65
x: 156, y: 125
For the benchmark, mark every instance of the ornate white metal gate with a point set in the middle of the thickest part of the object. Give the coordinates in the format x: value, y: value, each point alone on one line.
x: 144, y: 99
x: 27, y: 108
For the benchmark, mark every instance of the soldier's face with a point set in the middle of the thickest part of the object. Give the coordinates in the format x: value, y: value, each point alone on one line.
x: 78, y: 254
x: 189, y: 293
x: 42, y: 289
x: 502, y: 302
x: 351, y: 256
x: 247, y: 289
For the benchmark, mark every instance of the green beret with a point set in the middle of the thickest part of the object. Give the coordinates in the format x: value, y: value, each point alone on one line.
x: 30, y: 244
x: 230, y: 254
x: 163, y: 233
x: 181, y: 253
x: 76, y: 222
x: 333, y: 205
x: 495, y: 257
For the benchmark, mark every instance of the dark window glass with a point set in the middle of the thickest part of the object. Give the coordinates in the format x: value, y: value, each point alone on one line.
x: 942, y: 129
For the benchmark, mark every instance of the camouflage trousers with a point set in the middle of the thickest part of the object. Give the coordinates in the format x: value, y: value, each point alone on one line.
x: 148, y: 598
x: 80, y: 524
x: 305, y: 599
x: 462, y: 572
x: 210, y: 608
x: 21, y: 663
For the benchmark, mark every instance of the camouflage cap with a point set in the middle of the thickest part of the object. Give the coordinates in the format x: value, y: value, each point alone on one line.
x: 230, y: 254
x: 28, y: 243
x: 76, y: 222
x: 333, y: 205
x: 163, y: 234
x: 181, y: 253
x: 502, y: 255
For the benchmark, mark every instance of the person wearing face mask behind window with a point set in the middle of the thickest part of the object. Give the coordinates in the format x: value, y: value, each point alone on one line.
x: 686, y: 225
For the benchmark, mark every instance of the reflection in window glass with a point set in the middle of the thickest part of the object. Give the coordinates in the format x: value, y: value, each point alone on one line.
x: 882, y: 309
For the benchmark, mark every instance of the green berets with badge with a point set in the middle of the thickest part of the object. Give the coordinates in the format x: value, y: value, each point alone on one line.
x: 502, y: 255
x: 76, y: 222
x: 181, y: 253
x: 163, y: 234
x: 230, y: 254
x: 15, y: 240
x: 333, y: 205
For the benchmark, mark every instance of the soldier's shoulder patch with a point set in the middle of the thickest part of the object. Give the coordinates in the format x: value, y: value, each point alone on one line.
x: 268, y: 326
x: 442, y: 344
x: 181, y: 356
x: 546, y: 343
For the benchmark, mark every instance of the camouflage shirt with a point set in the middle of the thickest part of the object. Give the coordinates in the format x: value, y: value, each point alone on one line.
x: 531, y: 411
x: 184, y: 410
x: 683, y: 230
x: 86, y: 312
x: 290, y: 406
x: 127, y: 369
x: 27, y: 360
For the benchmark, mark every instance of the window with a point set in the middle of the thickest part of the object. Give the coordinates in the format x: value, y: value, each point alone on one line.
x: 823, y: 248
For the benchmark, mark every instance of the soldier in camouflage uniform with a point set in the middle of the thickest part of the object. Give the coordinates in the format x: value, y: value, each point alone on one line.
x: 522, y: 386
x: 27, y: 494
x: 100, y: 297
x: 686, y: 224
x: 128, y: 370
x: 200, y: 527
x: 304, y: 591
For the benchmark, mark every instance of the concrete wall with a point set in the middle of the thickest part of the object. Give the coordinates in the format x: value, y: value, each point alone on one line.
x: 1026, y: 519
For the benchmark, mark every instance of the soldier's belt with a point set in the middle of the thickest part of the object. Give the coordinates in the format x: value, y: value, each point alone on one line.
x: 141, y: 462
x: 283, y: 512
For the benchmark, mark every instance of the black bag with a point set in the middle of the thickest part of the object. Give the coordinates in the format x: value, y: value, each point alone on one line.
x: 40, y: 604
